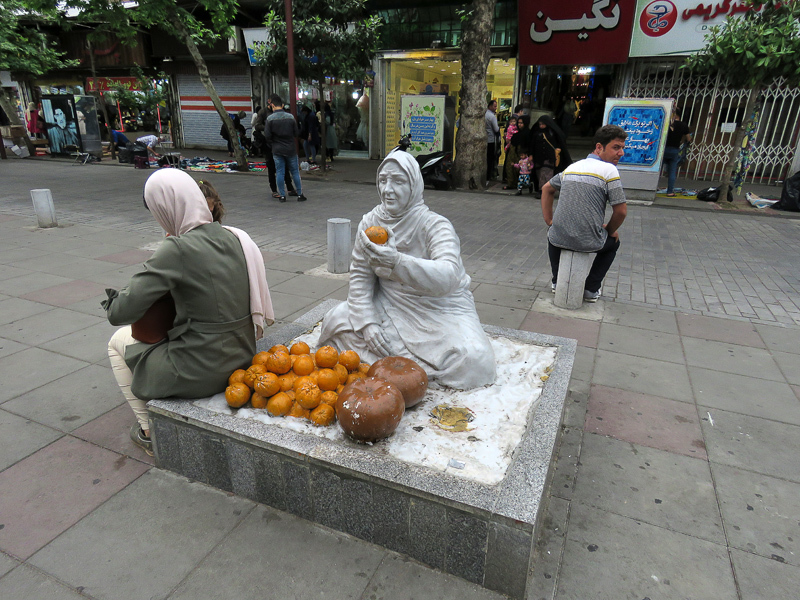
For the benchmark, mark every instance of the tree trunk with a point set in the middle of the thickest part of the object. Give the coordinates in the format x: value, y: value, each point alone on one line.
x: 202, y: 69
x: 738, y: 138
x: 13, y: 117
x: 103, y: 107
x: 470, y: 162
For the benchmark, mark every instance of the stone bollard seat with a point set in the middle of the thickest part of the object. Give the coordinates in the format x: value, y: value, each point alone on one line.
x: 573, y: 267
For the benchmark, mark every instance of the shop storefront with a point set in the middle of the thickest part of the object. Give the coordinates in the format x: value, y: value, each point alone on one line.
x: 427, y: 73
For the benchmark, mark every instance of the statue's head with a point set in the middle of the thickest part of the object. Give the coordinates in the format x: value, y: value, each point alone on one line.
x: 399, y: 183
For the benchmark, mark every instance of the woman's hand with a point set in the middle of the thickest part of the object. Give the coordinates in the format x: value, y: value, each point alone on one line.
x: 377, y: 342
x: 383, y: 255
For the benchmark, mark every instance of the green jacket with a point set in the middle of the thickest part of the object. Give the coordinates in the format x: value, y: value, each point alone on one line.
x: 213, y: 334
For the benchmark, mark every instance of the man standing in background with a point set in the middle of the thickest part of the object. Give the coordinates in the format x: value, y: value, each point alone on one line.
x: 492, y: 133
x: 281, y: 132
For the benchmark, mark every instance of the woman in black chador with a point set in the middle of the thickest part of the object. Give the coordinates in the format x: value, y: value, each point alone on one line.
x: 549, y: 149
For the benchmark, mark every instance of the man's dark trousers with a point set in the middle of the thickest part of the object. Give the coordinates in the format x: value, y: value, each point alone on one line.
x: 602, y: 263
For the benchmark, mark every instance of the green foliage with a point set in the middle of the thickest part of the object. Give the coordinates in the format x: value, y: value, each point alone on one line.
x: 23, y: 47
x: 755, y: 48
x: 126, y: 20
x: 332, y: 38
x: 145, y: 100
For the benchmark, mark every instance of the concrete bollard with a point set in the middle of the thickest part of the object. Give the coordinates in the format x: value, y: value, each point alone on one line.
x: 44, y: 208
x: 338, y: 245
x: 573, y: 267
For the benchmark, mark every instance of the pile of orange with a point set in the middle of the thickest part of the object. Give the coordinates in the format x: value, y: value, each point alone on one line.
x: 294, y: 382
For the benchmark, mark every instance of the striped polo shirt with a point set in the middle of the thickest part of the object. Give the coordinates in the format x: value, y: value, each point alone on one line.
x: 586, y: 186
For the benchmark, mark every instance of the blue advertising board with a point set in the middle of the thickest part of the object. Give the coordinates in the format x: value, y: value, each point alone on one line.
x: 646, y: 122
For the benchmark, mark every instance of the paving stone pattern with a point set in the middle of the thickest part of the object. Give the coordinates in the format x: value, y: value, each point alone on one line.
x: 708, y: 262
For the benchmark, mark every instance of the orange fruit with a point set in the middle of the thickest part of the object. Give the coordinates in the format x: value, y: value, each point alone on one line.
x: 363, y: 367
x: 279, y: 363
x: 267, y: 384
x: 355, y: 377
x: 340, y: 388
x: 377, y: 234
x: 252, y: 372
x: 341, y: 371
x: 287, y: 380
x: 308, y: 395
x: 279, y: 405
x: 300, y: 348
x: 327, y: 379
x: 326, y: 357
x: 303, y: 364
x: 261, y: 358
x: 313, y: 376
x: 279, y: 348
x: 298, y: 412
x: 330, y: 398
x: 236, y: 377
x: 258, y: 401
x: 302, y: 380
x: 323, y: 415
x: 349, y: 359
x: 290, y: 393
x: 237, y: 395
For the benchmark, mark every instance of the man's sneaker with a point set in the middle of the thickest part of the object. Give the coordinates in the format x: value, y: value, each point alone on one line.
x: 140, y: 439
x: 282, y: 198
x: 590, y: 296
x: 553, y: 287
x: 301, y: 198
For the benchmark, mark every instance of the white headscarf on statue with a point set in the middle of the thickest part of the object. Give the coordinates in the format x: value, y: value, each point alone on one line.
x: 179, y: 206
x: 404, y: 224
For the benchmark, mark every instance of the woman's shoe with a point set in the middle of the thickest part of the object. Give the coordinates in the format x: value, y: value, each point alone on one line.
x: 140, y: 439
x: 276, y: 195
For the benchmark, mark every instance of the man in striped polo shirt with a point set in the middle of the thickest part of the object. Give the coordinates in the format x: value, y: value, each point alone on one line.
x: 578, y: 223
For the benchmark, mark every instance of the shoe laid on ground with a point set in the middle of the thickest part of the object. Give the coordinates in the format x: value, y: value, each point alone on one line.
x: 293, y: 193
x: 282, y: 198
x: 313, y: 167
x: 590, y: 296
x: 140, y: 439
x: 301, y: 198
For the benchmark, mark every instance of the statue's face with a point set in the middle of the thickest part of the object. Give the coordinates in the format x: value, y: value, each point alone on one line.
x: 395, y: 189
x: 61, y: 118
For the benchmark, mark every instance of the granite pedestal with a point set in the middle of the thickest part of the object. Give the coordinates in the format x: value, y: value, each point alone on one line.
x: 482, y: 533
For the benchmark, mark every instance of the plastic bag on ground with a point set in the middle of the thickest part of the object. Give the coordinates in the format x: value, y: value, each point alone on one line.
x: 790, y: 196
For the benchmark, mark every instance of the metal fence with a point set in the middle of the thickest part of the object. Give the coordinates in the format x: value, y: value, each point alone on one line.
x: 711, y: 107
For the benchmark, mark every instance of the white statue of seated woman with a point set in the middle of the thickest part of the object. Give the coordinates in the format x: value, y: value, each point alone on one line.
x: 410, y: 297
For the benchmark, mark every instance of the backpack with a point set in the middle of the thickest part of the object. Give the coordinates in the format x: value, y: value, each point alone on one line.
x: 711, y: 194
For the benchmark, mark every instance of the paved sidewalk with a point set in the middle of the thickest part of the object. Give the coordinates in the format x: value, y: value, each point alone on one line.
x: 676, y: 477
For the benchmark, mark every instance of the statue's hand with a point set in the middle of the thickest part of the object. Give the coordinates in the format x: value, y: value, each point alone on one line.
x: 376, y: 340
x: 383, y: 255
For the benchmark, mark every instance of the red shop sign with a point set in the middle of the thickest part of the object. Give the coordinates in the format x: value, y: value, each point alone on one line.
x: 105, y: 84
x: 581, y: 32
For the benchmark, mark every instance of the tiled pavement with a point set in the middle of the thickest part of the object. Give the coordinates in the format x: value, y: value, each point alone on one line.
x: 677, y: 474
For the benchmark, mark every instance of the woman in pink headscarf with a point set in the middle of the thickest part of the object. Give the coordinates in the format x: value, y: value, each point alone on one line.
x: 215, y: 276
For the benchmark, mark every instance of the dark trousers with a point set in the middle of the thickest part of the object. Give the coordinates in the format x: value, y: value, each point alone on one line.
x: 491, y: 160
x: 602, y: 263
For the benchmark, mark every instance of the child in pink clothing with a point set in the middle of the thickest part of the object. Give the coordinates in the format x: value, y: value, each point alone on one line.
x: 525, y: 166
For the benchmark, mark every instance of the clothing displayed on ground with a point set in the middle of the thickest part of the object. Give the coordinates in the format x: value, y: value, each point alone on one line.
x: 424, y: 304
x: 204, y: 267
x: 586, y: 187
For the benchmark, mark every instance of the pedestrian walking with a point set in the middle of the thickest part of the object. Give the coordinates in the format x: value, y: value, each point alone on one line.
x: 281, y: 132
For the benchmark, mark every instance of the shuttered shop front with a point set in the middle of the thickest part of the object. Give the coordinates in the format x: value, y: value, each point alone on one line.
x: 199, y: 119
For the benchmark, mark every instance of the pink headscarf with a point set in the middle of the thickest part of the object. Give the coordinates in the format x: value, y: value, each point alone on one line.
x: 179, y: 206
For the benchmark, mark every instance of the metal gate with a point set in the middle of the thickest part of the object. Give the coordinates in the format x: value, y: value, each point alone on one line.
x: 710, y: 107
